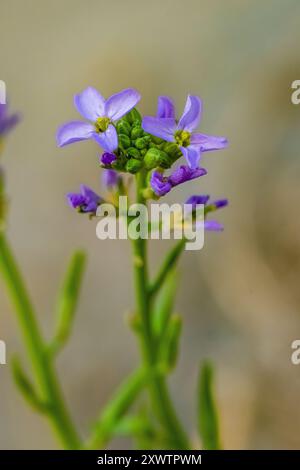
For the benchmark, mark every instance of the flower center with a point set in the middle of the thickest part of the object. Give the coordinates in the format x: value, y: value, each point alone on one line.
x: 183, y: 138
x: 102, y: 124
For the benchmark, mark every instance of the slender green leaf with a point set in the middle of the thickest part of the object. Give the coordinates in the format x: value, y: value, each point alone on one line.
x: 170, y: 345
x: 207, y: 411
x: 68, y: 300
x: 164, y: 305
x: 135, y: 425
x: 116, y: 409
x: 26, y: 387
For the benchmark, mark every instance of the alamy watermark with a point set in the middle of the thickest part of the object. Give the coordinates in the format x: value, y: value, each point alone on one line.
x: 2, y: 92
x: 295, y: 97
x: 2, y: 352
x: 295, y: 356
x: 160, y: 221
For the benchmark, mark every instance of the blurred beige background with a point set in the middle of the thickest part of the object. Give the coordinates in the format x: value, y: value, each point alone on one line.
x: 239, y: 296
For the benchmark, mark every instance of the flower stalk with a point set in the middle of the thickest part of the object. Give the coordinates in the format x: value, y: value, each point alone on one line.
x: 157, y: 384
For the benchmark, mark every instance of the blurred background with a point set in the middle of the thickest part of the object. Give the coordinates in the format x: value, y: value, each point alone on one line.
x: 239, y: 296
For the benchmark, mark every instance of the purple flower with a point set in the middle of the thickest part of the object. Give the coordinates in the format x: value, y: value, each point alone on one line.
x: 85, y: 201
x: 7, y: 122
x: 191, y: 144
x: 220, y: 203
x: 203, y: 199
x: 110, y: 178
x: 165, y: 107
x: 212, y: 225
x: 107, y: 158
x: 196, y: 200
x: 101, y: 115
x: 161, y: 184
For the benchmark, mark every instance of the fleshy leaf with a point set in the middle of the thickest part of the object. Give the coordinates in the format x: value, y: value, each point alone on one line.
x: 68, y: 300
x: 164, y: 304
x: 207, y: 412
x: 26, y: 387
x: 170, y: 345
x: 118, y: 406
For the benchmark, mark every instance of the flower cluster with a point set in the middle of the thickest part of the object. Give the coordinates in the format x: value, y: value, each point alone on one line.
x: 133, y: 144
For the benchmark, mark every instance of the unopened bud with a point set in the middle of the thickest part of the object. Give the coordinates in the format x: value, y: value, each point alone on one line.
x: 141, y: 142
x: 123, y: 127
x: 136, y: 132
x: 124, y: 141
x: 173, y: 150
x: 133, y: 165
x: 134, y: 117
x: 156, y: 140
x: 133, y: 152
x: 155, y: 158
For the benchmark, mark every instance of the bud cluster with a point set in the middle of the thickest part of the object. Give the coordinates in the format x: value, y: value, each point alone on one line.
x: 139, y: 150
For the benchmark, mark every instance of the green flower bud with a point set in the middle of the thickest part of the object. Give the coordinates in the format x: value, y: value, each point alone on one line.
x: 119, y: 164
x: 123, y: 127
x: 124, y: 141
x: 136, y: 132
x: 133, y: 165
x: 157, y: 158
x: 173, y: 150
x: 133, y: 152
x: 156, y: 140
x: 141, y: 143
x: 134, y: 117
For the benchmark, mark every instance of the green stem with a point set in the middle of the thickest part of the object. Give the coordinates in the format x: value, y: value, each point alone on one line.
x: 41, y: 365
x: 157, y: 384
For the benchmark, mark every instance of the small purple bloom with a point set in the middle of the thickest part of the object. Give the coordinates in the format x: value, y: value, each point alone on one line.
x: 197, y: 200
x: 220, y: 203
x: 7, y: 122
x: 85, y: 201
x: 203, y: 199
x: 183, y: 173
x: 110, y: 178
x: 161, y: 184
x: 211, y: 225
x: 107, y: 158
x: 101, y: 115
x: 191, y: 144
